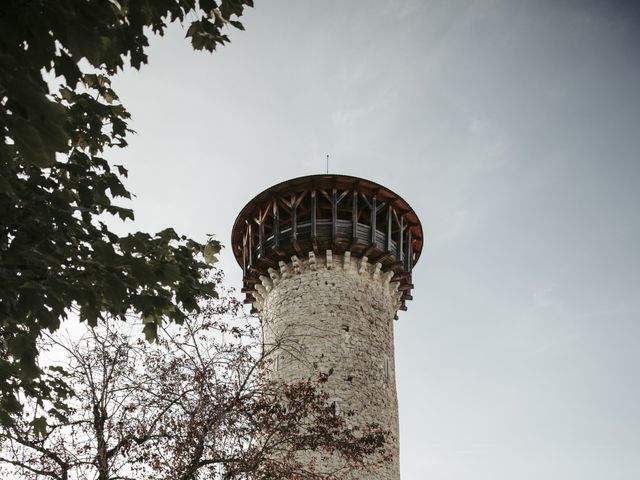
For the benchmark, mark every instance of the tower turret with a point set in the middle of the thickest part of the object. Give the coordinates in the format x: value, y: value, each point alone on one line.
x: 327, y: 262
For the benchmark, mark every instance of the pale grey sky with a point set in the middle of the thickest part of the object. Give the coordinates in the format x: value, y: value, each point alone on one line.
x: 513, y: 129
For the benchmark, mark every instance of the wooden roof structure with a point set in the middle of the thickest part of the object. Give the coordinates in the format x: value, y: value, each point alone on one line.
x: 327, y: 212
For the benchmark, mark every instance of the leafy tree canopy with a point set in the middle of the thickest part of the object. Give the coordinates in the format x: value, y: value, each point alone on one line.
x: 58, y: 115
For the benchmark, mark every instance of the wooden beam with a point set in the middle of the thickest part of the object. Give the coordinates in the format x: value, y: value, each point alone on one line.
x: 400, y: 244
x: 387, y: 259
x: 285, y: 202
x: 276, y: 225
x: 244, y: 253
x: 254, y: 271
x: 299, y: 198
x: 373, y: 241
x: 250, y: 236
x: 366, y: 200
x: 263, y: 216
x: 313, y: 215
x: 400, y: 277
x: 334, y: 216
x: 354, y: 217
x: 267, y: 261
x: 389, y: 226
x: 261, y: 238
x: 294, y: 223
x: 323, y: 192
x: 409, y: 253
x: 396, y: 217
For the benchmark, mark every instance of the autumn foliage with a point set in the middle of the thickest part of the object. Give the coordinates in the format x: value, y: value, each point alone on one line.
x: 196, y: 404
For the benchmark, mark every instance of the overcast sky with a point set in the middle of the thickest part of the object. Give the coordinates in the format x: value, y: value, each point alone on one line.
x: 513, y: 129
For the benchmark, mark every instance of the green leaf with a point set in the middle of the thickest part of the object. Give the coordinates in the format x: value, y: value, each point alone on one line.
x: 211, y: 250
x: 171, y: 272
x: 207, y: 5
x: 150, y: 328
x: 39, y: 426
x: 56, y: 253
x: 141, y: 271
x: 89, y: 314
x: 122, y: 171
x: 29, y: 143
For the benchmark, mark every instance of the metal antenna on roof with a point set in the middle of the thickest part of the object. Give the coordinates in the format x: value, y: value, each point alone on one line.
x: 327, y: 163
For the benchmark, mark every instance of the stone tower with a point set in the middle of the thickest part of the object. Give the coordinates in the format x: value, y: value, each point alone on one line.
x: 327, y: 263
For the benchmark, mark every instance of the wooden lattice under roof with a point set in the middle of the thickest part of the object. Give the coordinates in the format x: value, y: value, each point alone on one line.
x: 327, y: 212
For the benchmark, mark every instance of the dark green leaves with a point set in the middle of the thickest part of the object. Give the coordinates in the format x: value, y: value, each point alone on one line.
x: 34, y: 123
x: 237, y: 24
x: 150, y: 328
x: 205, y: 35
x: 58, y: 115
x: 39, y: 426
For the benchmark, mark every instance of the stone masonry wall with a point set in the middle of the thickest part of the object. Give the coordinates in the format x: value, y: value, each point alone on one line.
x: 335, y: 313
